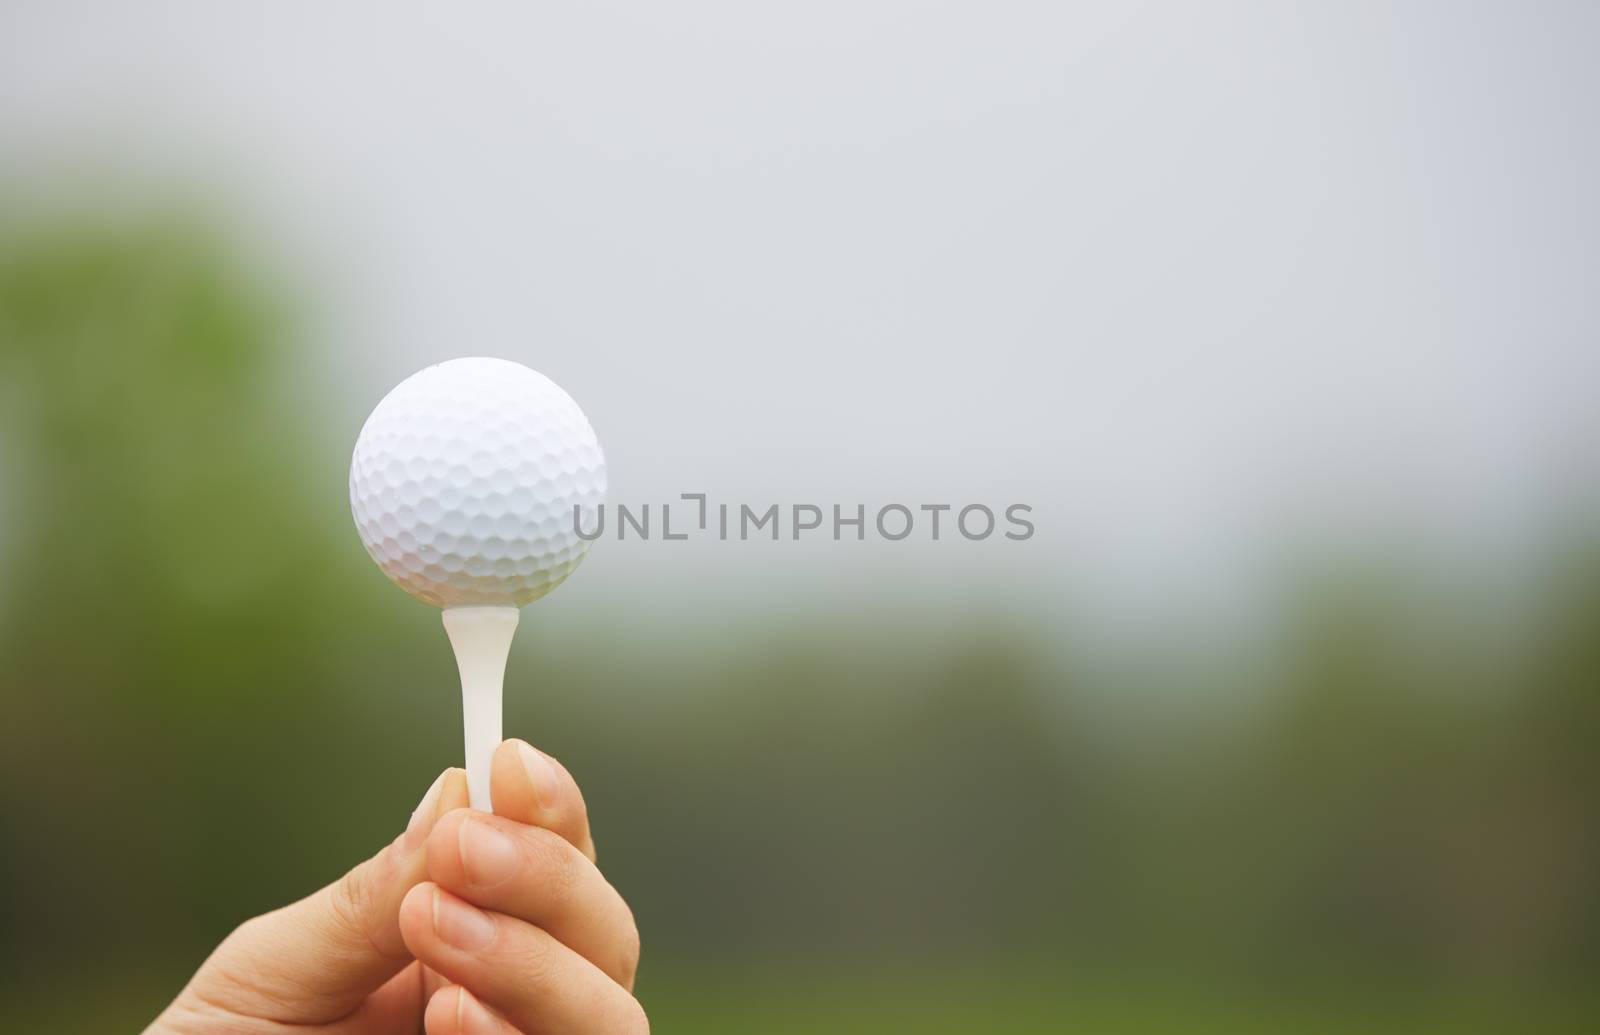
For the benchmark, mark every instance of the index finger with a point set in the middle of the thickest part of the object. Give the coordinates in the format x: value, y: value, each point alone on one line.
x: 528, y: 786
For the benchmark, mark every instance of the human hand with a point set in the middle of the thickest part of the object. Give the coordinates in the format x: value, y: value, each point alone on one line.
x: 466, y: 924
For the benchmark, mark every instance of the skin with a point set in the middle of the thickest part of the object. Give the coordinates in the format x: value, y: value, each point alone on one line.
x: 466, y: 924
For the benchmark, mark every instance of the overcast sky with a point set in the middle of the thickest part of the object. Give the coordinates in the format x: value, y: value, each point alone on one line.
x: 1192, y: 279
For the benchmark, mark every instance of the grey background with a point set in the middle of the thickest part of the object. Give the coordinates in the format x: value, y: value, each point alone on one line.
x: 1200, y: 282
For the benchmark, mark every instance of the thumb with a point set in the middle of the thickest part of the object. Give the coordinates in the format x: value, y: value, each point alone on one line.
x: 315, y: 960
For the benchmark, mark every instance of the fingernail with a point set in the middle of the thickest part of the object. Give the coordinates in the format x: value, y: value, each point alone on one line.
x: 472, y: 1017
x: 541, y: 775
x: 488, y: 856
x: 460, y: 924
x: 422, y: 816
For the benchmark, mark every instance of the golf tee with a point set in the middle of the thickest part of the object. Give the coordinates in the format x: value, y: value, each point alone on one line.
x: 481, y: 639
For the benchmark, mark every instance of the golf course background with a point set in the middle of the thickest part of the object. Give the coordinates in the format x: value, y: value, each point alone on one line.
x: 1374, y: 813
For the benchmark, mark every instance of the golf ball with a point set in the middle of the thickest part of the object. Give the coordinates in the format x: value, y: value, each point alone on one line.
x: 470, y: 481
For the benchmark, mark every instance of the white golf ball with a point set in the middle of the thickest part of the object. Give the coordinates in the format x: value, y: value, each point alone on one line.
x: 465, y: 480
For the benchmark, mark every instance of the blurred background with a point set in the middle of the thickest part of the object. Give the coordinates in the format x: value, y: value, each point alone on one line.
x: 1280, y: 316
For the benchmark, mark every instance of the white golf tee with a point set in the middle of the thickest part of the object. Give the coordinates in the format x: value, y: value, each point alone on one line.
x: 481, y: 638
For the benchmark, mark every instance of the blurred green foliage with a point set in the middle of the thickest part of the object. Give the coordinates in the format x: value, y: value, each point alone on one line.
x: 212, y: 706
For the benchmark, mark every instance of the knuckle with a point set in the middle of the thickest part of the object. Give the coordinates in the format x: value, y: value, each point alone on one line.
x: 551, y: 866
x: 349, y: 898
x: 245, y: 931
x: 352, y: 905
x: 538, y: 967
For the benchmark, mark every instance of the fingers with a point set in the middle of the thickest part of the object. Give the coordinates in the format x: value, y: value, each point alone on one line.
x: 455, y: 1011
x: 536, y: 876
x: 317, y: 959
x: 431, y: 979
x: 530, y: 787
x: 518, y: 971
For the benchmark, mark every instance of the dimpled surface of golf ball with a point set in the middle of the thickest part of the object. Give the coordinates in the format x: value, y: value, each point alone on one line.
x: 464, y: 480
